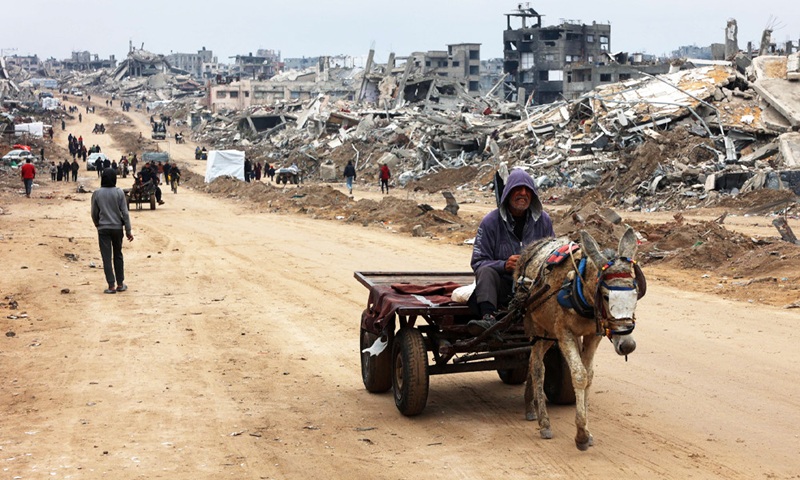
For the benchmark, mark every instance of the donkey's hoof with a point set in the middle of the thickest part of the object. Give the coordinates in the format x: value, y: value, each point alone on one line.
x: 546, y: 433
x: 530, y: 416
x: 583, y: 446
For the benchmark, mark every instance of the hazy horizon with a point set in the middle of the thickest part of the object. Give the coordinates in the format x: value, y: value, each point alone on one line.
x: 352, y: 27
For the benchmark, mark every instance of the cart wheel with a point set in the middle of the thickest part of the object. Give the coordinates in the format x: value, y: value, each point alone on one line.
x: 153, y: 202
x: 515, y: 376
x: 410, y: 380
x: 557, y: 379
x: 376, y: 371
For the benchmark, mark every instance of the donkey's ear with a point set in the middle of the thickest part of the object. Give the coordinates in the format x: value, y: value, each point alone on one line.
x: 627, y: 244
x: 591, y: 248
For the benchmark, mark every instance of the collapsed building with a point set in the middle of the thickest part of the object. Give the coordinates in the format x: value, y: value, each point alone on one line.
x: 546, y: 64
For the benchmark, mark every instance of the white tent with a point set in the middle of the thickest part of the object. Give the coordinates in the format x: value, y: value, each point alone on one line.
x: 225, y: 162
x: 36, y: 129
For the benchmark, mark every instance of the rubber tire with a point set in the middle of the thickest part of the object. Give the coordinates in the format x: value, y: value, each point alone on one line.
x: 153, y: 202
x: 557, y: 378
x: 515, y: 376
x: 376, y: 372
x: 410, y: 380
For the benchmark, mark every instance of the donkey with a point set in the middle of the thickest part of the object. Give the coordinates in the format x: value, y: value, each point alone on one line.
x: 596, y: 293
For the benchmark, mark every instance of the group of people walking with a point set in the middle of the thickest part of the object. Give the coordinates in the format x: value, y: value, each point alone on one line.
x: 76, y: 147
x: 257, y: 171
x: 63, y: 171
x: 384, y: 174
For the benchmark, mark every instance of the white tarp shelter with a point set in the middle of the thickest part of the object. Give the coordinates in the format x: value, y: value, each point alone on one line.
x: 36, y: 129
x: 225, y: 162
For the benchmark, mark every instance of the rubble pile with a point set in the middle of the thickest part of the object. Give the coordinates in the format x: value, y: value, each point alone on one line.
x: 682, y: 140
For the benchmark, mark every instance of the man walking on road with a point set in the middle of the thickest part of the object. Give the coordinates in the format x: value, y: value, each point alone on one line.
x: 28, y: 173
x: 110, y: 216
x: 75, y: 167
x: 349, y: 175
x: 384, y: 176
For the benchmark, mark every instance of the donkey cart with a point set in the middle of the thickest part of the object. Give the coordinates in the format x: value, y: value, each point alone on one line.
x: 141, y: 194
x: 411, y: 329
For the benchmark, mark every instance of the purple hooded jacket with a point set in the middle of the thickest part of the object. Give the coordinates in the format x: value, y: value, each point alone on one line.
x: 495, y: 240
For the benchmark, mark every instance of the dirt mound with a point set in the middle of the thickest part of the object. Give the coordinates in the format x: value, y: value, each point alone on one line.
x: 445, y: 180
x: 759, y: 202
x: 325, y: 202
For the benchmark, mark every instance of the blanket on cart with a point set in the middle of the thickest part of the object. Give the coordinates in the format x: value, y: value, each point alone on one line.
x: 384, y: 300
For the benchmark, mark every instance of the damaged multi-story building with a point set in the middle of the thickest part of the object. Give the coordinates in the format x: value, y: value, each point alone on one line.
x: 199, y: 64
x: 334, y: 76
x: 461, y: 62
x: 141, y: 63
x: 261, y: 66
x: 565, y: 61
x: 27, y: 63
x: 85, y: 61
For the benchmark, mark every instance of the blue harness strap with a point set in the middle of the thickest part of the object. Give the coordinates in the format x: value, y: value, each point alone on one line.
x: 571, y: 293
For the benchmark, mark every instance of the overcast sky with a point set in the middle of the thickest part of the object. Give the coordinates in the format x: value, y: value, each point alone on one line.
x: 55, y: 28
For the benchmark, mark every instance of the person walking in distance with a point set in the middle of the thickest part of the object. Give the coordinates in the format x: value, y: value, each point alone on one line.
x: 75, y: 167
x: 349, y: 175
x: 110, y: 216
x: 385, y: 175
x: 28, y: 173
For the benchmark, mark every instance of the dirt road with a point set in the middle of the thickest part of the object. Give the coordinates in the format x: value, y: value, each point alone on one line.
x: 235, y: 354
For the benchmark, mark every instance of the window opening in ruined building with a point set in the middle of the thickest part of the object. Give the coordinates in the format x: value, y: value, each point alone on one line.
x: 624, y: 76
x: 295, y: 95
x: 543, y: 75
x: 234, y: 94
x: 590, y: 38
x: 442, y: 63
x: 569, y: 78
x: 511, y: 46
x: 604, y: 47
x: 603, y: 39
x: 605, y: 77
x: 527, y: 77
x: 590, y: 58
x: 474, y: 86
x: 528, y: 37
x: 555, y: 75
x: 549, y: 35
x: 456, y: 63
x: 549, y: 57
x: 221, y: 94
x: 474, y: 70
x: 568, y: 59
x: 442, y: 74
x: 427, y: 63
x: 474, y: 54
x: 527, y: 60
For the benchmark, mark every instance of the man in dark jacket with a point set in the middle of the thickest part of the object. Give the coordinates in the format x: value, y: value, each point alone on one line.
x: 350, y: 175
x: 502, y: 234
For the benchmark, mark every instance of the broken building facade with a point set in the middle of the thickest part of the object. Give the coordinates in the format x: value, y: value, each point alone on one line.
x: 261, y: 66
x: 547, y: 64
x: 199, y: 64
x: 85, y: 61
x: 461, y: 62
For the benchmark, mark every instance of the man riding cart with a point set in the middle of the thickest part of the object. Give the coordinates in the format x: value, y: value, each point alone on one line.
x: 413, y: 313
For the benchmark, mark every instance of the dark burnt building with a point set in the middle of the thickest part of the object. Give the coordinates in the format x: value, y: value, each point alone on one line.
x: 538, y: 57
